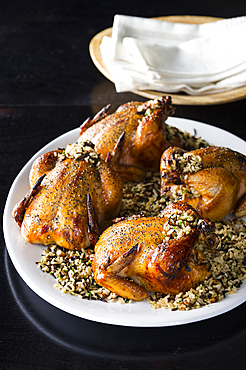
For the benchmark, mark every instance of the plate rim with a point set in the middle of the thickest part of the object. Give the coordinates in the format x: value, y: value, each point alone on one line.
x: 179, y: 99
x: 175, y: 318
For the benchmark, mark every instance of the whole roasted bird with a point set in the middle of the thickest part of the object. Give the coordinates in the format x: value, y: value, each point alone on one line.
x: 155, y: 254
x: 72, y: 193
x: 138, y: 131
x: 212, y: 180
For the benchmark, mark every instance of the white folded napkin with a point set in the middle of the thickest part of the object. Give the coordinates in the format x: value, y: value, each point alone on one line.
x: 165, y: 56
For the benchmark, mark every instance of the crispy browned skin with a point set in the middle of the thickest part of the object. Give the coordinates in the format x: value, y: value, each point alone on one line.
x: 133, y: 250
x: 145, y: 136
x: 221, y: 182
x: 73, y: 199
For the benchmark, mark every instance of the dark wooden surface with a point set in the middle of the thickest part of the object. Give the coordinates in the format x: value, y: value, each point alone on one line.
x: 49, y: 85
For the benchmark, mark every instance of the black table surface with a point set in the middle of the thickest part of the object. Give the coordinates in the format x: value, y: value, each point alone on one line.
x: 48, y: 86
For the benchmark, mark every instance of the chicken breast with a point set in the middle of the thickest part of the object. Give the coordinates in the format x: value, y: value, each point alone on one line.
x: 72, y: 193
x: 153, y: 254
x: 212, y: 180
x: 146, y: 136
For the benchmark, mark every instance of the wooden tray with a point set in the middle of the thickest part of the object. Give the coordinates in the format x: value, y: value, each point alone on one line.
x: 182, y: 98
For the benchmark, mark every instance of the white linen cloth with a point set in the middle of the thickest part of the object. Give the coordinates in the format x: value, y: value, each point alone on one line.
x: 149, y: 54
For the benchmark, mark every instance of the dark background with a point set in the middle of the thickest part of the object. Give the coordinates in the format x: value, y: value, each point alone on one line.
x: 48, y: 86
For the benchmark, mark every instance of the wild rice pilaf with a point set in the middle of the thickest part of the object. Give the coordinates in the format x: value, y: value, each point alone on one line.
x: 73, y: 271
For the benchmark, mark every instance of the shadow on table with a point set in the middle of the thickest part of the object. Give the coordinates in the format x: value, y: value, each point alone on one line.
x: 127, y: 343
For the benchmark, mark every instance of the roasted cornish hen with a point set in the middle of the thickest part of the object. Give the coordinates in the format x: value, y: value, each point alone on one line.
x: 143, y: 132
x: 155, y: 254
x: 72, y: 193
x: 212, y: 180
